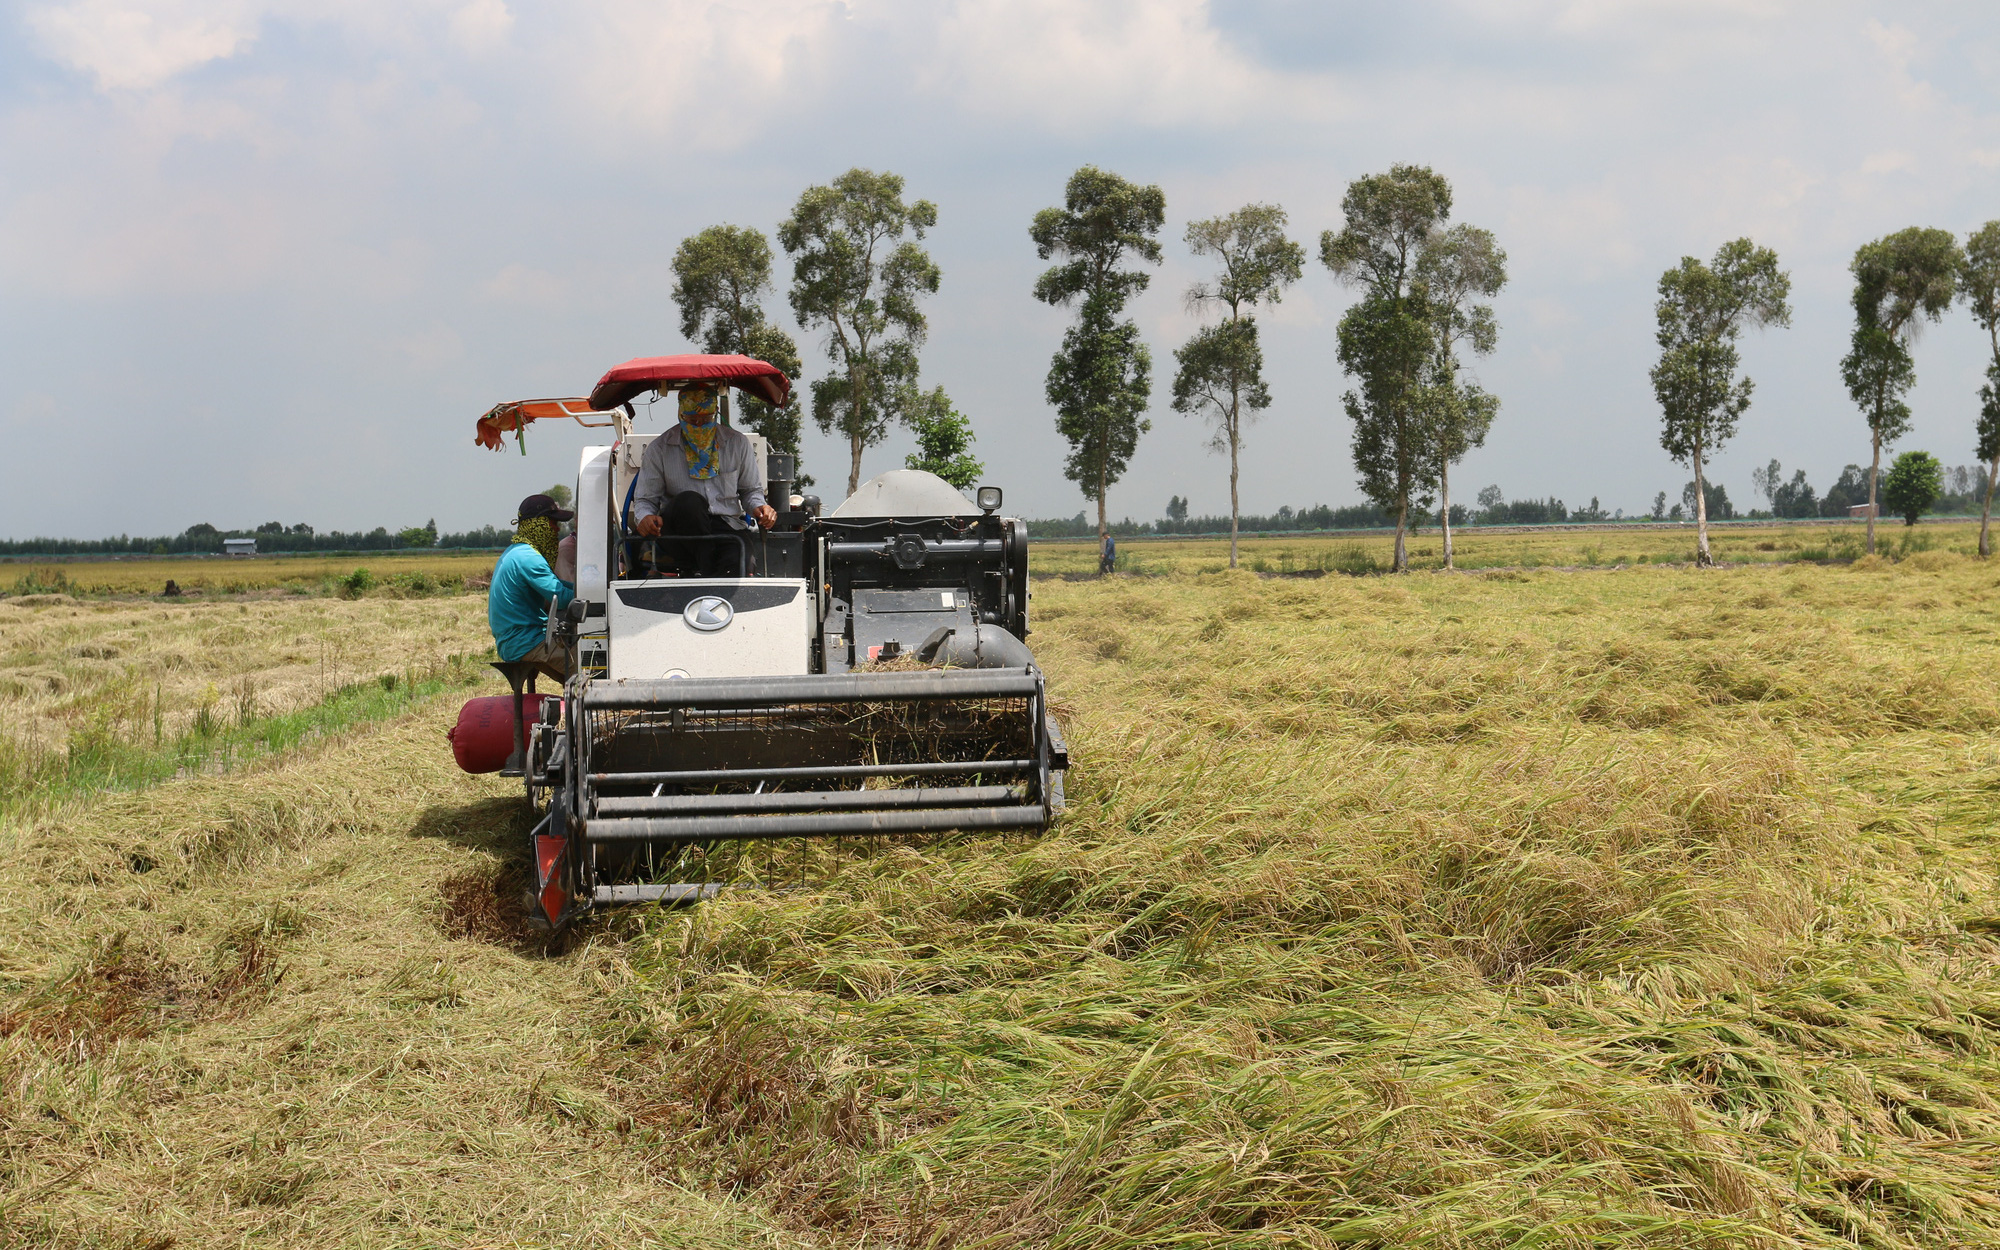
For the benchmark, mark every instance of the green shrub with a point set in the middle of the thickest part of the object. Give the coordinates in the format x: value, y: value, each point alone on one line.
x: 414, y: 585
x: 1352, y: 559
x: 45, y: 582
x: 1912, y: 485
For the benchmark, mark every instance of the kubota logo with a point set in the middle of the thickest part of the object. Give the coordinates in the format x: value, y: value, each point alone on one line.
x: 708, y: 614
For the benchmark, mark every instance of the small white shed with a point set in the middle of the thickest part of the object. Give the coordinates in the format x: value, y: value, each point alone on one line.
x: 239, y: 546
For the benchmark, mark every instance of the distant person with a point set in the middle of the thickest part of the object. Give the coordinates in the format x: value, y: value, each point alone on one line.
x: 1108, y: 556
x: 517, y: 603
x: 699, y: 479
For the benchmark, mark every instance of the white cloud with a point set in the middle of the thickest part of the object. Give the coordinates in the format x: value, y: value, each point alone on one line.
x: 482, y: 25
x: 136, y: 44
x: 524, y: 284
x: 1082, y: 68
x: 430, y: 349
x: 710, y: 75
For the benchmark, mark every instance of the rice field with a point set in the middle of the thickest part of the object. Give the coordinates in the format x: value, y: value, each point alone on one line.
x: 408, y: 574
x: 386, y: 573
x: 110, y: 694
x: 1630, y: 906
x: 1474, y: 548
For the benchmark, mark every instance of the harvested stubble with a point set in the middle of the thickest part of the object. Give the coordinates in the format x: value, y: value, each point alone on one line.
x: 1647, y: 908
x: 300, y: 573
x: 96, y: 690
x: 1475, y: 548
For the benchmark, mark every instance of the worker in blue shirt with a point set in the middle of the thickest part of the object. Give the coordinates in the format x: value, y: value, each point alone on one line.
x: 517, y: 601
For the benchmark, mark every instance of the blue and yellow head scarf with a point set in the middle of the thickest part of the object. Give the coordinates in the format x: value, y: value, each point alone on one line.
x: 698, y: 441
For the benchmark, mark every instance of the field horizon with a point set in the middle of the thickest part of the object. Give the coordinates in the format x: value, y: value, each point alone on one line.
x: 1360, y: 552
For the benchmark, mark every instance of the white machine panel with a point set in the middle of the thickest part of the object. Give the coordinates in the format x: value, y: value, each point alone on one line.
x: 710, y: 627
x: 593, y: 503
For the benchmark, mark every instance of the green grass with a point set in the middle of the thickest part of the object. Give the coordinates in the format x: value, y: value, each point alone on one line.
x: 104, y: 755
x: 1622, y: 907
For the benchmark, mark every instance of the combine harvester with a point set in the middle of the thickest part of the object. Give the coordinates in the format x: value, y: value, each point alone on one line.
x: 867, y: 675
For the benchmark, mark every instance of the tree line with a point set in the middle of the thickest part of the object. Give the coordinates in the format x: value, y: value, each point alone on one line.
x: 1901, y: 281
x: 860, y: 273
x: 1916, y: 484
x: 272, y: 536
x: 1423, y: 282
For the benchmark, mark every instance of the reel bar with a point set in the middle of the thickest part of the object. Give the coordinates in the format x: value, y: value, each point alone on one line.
x: 808, y: 801
x: 813, y: 824
x: 988, y: 550
x: 703, y: 776
x: 689, y: 893
x: 720, y: 694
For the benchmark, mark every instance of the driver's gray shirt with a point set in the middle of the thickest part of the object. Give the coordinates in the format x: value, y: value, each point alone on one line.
x: 736, y: 488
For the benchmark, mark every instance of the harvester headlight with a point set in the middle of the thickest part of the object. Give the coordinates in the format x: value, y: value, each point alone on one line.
x: 989, y: 498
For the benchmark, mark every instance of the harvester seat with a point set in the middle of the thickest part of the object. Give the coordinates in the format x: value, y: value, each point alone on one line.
x: 521, y: 676
x: 648, y: 557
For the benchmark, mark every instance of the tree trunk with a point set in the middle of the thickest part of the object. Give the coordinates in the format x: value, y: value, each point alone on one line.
x: 1402, y: 557
x: 1232, y: 494
x: 854, y: 428
x: 1992, y: 474
x: 1702, y: 558
x: 1102, y: 526
x: 1874, y: 468
x: 1444, y: 508
x: 1993, y: 470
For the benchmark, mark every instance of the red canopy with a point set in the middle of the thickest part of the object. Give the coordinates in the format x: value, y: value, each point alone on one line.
x: 766, y: 381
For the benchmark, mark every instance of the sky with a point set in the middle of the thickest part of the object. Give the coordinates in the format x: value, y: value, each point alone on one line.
x: 270, y: 259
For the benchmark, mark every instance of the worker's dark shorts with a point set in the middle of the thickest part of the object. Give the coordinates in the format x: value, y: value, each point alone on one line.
x: 549, y: 658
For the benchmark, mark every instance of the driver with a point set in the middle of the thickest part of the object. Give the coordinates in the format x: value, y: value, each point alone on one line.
x: 698, y: 479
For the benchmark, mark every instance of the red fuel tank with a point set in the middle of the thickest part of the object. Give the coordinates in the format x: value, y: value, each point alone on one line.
x: 484, y: 736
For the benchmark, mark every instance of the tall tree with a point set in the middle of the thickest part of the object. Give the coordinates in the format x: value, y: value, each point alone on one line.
x: 1702, y: 311
x: 855, y: 275
x: 1454, y: 269
x: 1385, y: 338
x: 1101, y: 379
x: 944, y: 439
x: 1848, y: 490
x: 1898, y: 280
x: 721, y: 276
x: 1767, y: 480
x: 1979, y: 286
x: 1794, y: 498
x: 1221, y: 374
